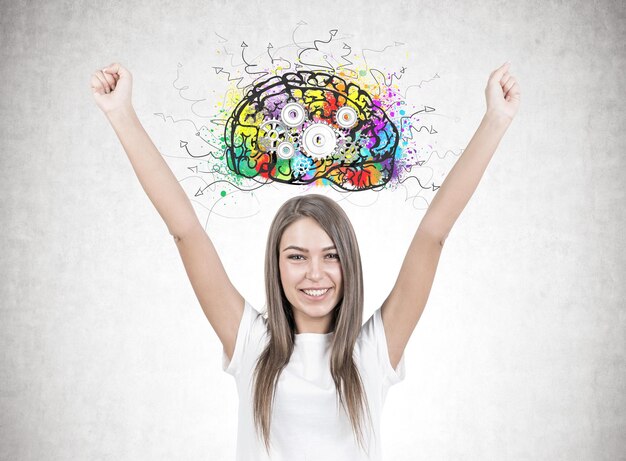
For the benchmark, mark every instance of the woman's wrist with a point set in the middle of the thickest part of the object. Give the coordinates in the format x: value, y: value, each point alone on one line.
x: 497, y: 119
x: 121, y: 114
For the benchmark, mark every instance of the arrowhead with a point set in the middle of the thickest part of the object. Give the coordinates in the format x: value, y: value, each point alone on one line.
x: 435, y: 187
x: 420, y: 163
x: 243, y: 45
x: 333, y: 32
x: 183, y: 143
x: 218, y: 69
x: 301, y: 23
x: 193, y: 168
x: 199, y: 193
x: 432, y: 130
x: 269, y: 45
x: 346, y: 46
x: 428, y: 109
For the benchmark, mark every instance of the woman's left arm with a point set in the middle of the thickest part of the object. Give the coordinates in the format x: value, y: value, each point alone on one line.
x: 404, y: 305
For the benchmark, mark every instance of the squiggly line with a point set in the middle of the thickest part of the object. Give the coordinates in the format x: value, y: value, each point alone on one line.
x: 332, y: 33
x: 165, y: 117
x: 262, y: 73
x: 220, y: 70
x: 206, y: 224
x: 394, y: 75
x: 419, y: 85
x: 201, y: 190
x: 407, y: 197
x: 184, y: 144
x: 270, y: 46
x: 223, y: 39
x: 402, y: 181
x: 377, y: 51
x: 180, y: 93
x: 444, y: 155
x: 293, y: 33
x: 345, y: 56
x: 431, y: 130
x: 232, y: 58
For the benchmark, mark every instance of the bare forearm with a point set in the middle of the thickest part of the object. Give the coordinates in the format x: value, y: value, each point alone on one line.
x: 155, y: 176
x: 463, y: 178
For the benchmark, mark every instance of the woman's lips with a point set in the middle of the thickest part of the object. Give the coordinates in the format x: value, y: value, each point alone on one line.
x: 316, y: 298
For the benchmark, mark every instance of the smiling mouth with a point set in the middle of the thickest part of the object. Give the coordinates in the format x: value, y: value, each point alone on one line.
x: 316, y: 293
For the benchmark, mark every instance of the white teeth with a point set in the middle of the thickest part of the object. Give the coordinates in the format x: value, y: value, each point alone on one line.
x: 316, y: 292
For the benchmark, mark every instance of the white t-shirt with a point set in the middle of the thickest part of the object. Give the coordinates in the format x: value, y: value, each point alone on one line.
x: 308, y: 424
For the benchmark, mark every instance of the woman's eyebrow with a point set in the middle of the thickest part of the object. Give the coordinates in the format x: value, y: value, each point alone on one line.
x: 304, y: 250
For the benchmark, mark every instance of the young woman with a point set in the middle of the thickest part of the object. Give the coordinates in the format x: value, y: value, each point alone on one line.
x: 311, y: 378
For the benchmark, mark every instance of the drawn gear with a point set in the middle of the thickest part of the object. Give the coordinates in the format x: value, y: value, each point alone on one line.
x: 319, y: 140
x: 271, y: 134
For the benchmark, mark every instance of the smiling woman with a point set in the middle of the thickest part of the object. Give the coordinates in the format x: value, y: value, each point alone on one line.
x: 314, y: 285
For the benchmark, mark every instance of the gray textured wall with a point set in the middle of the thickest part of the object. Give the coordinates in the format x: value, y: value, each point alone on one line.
x: 105, y: 352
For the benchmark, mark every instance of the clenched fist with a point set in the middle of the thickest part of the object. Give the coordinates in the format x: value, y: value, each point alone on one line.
x: 112, y: 88
x: 502, y: 92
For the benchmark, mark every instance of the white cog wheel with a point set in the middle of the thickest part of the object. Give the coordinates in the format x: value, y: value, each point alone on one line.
x: 346, y: 117
x: 301, y: 165
x: 271, y: 134
x: 293, y: 114
x: 319, y: 140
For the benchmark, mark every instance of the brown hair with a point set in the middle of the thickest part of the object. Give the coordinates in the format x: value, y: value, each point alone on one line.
x: 346, y: 322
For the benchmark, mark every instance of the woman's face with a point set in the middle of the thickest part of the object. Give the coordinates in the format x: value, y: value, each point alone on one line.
x: 310, y: 273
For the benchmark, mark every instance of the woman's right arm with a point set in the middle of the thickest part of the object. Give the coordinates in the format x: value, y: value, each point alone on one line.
x: 221, y: 302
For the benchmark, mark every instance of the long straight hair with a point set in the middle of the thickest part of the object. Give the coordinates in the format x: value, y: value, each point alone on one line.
x: 346, y: 319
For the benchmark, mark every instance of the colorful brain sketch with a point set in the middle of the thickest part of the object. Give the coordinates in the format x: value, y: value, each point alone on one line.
x: 304, y: 126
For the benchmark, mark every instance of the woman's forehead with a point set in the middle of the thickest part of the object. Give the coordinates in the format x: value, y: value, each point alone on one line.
x: 306, y: 234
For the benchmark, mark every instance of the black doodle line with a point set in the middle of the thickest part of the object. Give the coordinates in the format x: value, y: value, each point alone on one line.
x: 220, y: 70
x: 392, y: 76
x: 309, y: 43
x: 273, y: 58
x: 419, y: 85
x: 418, y: 195
x: 211, y: 212
x: 296, y: 65
x: 181, y: 89
x: 432, y: 187
x: 262, y: 73
x: 232, y: 58
x: 165, y: 117
x: 330, y: 67
x: 346, y: 197
x: 184, y: 144
x: 293, y: 33
x: 223, y: 38
x: 441, y: 157
x: 377, y: 51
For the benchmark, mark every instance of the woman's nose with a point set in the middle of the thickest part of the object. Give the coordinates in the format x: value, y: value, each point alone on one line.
x: 313, y: 270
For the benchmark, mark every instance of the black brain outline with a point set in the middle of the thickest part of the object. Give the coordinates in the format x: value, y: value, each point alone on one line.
x: 321, y: 94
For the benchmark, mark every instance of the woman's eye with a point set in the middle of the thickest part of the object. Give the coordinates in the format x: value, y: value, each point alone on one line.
x: 295, y: 257
x: 333, y: 255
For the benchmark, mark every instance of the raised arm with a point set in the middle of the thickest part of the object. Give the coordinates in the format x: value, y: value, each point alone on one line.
x: 221, y: 302
x: 404, y: 305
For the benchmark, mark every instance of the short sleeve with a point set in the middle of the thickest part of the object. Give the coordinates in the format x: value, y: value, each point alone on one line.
x: 377, y: 331
x: 249, y: 318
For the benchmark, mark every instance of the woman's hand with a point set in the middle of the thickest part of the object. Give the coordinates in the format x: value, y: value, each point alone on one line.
x: 112, y: 88
x: 502, y: 93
